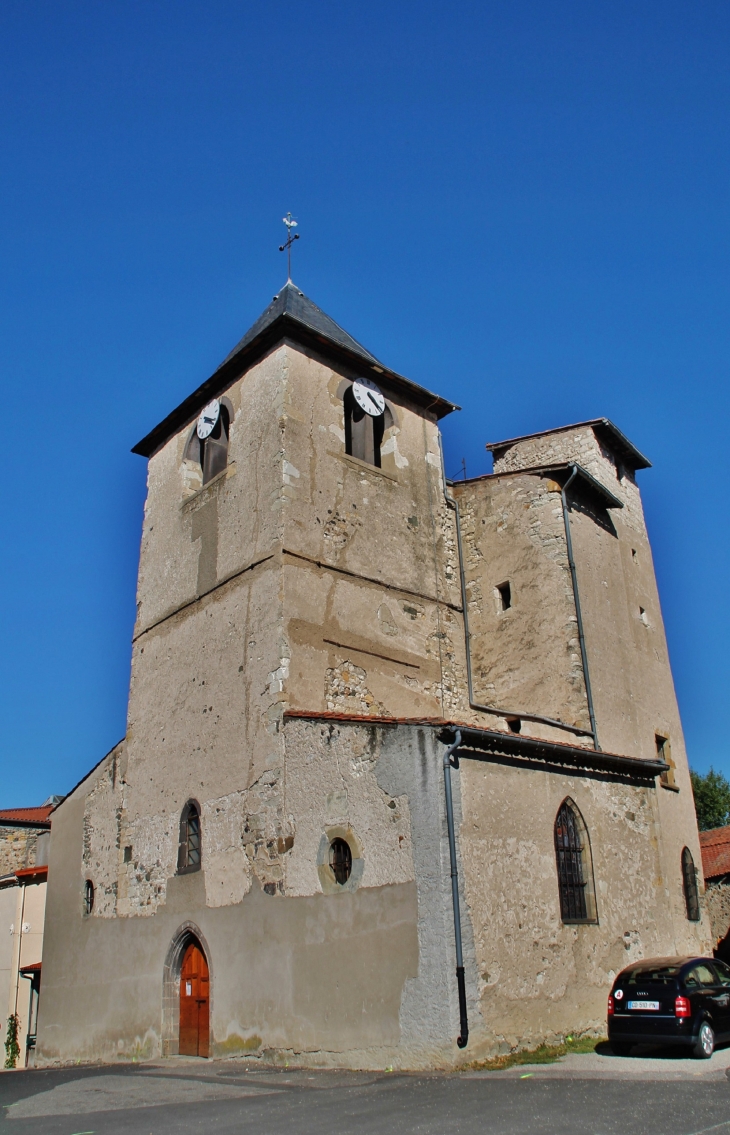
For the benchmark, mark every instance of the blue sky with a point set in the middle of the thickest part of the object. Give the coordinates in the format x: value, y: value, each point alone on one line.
x: 521, y: 205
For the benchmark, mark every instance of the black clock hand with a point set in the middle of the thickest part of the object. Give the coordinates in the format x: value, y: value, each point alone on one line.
x: 375, y: 404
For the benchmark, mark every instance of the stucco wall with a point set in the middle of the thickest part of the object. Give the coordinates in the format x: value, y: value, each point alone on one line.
x: 301, y: 579
x: 302, y: 968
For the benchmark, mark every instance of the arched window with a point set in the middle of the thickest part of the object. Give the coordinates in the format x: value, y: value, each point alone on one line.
x: 363, y: 433
x: 575, y: 869
x: 341, y: 860
x: 211, y: 452
x: 188, y: 858
x: 88, y: 896
x: 689, y: 883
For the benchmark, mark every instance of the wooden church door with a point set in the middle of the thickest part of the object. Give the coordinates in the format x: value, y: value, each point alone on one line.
x: 194, y: 1003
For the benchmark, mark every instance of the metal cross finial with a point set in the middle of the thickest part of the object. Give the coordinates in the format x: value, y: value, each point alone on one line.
x: 290, y: 224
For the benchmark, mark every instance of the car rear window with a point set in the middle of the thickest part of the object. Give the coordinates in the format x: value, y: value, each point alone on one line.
x: 654, y: 975
x: 700, y: 975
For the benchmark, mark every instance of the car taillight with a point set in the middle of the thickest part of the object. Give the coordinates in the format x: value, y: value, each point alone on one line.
x: 610, y: 1005
x: 682, y: 1007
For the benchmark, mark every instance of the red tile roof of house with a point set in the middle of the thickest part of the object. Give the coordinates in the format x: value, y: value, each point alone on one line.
x: 715, y: 846
x: 28, y: 815
x: 32, y: 874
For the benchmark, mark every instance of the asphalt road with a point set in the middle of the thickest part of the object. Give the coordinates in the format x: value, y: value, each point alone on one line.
x: 579, y: 1097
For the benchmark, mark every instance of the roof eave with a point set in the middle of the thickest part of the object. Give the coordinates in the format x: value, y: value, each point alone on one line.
x: 284, y: 326
x: 493, y: 742
x: 618, y: 440
x: 605, y: 495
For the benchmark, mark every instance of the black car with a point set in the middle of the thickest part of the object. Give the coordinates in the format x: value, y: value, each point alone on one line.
x: 683, y: 1001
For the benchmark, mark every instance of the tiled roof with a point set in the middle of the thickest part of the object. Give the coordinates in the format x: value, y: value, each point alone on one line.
x: 603, y: 427
x: 27, y: 815
x: 715, y: 846
x: 499, y: 741
x: 32, y: 874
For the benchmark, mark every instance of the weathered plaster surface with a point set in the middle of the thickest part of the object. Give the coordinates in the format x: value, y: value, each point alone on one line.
x: 302, y: 579
x: 717, y: 898
x: 19, y: 847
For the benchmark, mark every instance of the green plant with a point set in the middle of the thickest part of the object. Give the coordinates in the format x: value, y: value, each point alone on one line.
x: 712, y: 799
x: 12, y: 1048
x: 543, y: 1054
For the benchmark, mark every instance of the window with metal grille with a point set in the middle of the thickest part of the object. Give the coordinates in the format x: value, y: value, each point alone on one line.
x: 689, y: 883
x: 340, y: 860
x: 189, y: 851
x: 575, y: 871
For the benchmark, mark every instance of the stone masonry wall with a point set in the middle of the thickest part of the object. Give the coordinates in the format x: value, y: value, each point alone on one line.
x: 18, y: 848
x: 717, y: 900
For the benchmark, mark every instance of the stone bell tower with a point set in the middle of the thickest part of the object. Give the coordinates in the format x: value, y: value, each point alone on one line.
x: 262, y: 866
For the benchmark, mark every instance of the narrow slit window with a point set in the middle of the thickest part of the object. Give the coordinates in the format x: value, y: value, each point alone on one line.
x: 189, y: 854
x: 88, y: 896
x: 689, y: 884
x: 504, y: 596
x: 575, y: 868
x: 663, y: 752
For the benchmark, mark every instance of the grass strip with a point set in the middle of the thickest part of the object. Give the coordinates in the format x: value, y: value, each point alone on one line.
x: 543, y: 1054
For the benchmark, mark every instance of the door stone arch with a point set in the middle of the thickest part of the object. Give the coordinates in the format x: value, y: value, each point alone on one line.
x: 186, y: 934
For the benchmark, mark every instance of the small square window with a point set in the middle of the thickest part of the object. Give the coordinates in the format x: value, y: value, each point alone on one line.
x: 127, y: 855
x: 504, y: 596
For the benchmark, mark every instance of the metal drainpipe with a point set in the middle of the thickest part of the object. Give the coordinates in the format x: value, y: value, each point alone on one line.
x: 462, y: 1039
x: 454, y: 505
x: 20, y: 948
x: 576, y: 598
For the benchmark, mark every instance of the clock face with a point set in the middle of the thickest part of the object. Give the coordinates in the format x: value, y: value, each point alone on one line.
x: 208, y: 419
x: 368, y: 397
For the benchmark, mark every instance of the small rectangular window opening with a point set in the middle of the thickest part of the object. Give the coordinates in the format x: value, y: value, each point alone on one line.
x: 664, y: 753
x: 634, y: 557
x: 127, y: 855
x: 643, y: 616
x: 504, y: 594
x: 514, y: 724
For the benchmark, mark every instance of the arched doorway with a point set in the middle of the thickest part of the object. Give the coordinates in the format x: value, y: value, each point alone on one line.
x: 194, y: 1001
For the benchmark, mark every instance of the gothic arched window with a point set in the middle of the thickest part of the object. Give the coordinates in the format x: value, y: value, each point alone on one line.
x: 363, y: 433
x: 689, y: 884
x: 575, y: 869
x: 188, y: 858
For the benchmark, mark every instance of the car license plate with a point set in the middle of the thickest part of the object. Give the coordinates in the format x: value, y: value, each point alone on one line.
x: 643, y: 1005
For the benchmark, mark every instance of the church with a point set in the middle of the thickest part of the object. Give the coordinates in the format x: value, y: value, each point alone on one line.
x: 404, y: 782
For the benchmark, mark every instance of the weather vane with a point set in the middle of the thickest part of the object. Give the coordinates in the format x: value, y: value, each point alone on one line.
x: 291, y: 237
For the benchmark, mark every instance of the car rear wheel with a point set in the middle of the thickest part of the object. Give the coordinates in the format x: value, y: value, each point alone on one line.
x: 705, y: 1045
x: 621, y: 1048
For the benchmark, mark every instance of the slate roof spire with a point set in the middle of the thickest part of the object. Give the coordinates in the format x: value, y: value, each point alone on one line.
x: 293, y: 303
x: 290, y: 315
